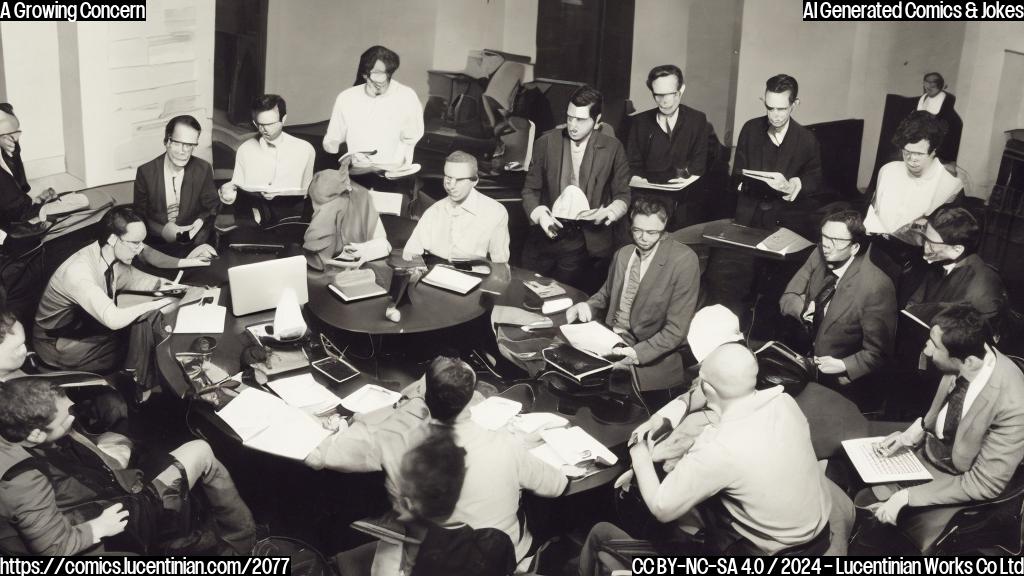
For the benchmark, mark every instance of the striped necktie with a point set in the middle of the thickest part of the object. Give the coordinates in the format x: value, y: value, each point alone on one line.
x: 628, y: 294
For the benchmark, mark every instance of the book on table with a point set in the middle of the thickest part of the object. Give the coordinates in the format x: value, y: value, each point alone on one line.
x: 451, y: 279
x: 574, y: 362
x: 351, y: 285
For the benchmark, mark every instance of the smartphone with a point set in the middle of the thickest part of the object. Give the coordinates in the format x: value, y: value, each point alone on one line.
x: 335, y: 369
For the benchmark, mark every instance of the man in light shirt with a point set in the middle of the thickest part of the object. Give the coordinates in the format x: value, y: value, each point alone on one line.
x: 466, y: 224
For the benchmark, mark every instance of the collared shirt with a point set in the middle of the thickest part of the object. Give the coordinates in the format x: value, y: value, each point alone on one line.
x: 902, y: 198
x: 948, y: 268
x: 577, y: 150
x: 838, y: 272
x: 932, y: 105
x: 284, y: 164
x: 391, y: 123
x: 645, y: 263
x: 973, y: 390
x: 777, y: 137
x: 173, y: 179
x: 477, y: 227
x: 668, y: 123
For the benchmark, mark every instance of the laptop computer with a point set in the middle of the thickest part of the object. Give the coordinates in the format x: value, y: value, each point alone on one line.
x: 258, y: 287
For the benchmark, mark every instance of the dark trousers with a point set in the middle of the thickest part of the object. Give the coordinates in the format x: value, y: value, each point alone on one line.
x: 565, y: 259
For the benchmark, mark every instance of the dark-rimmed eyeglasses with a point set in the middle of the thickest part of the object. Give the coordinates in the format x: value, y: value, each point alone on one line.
x: 185, y: 146
x: 835, y: 242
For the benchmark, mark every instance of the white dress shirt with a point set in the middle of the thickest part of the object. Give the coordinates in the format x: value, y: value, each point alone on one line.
x: 777, y: 137
x: 902, y: 198
x: 173, y: 179
x: 475, y: 228
x: 391, y: 123
x: 284, y: 164
x: 932, y: 105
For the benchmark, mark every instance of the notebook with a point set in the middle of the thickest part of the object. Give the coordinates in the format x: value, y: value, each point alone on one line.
x: 904, y: 466
x: 573, y: 362
x: 450, y: 279
x: 592, y: 336
x: 352, y: 285
x: 784, y: 241
x: 369, y: 398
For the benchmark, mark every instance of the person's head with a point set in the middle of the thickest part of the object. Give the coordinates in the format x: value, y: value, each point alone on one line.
x: 647, y: 218
x: 780, y: 98
x: 666, y: 85
x: 728, y: 374
x: 12, y: 344
x: 123, y: 232
x: 376, y: 67
x: 181, y: 136
x: 957, y: 339
x: 842, y: 236
x: 584, y: 112
x: 933, y: 84
x: 917, y: 137
x: 711, y: 327
x: 10, y: 128
x: 33, y: 411
x: 952, y: 233
x: 431, y: 477
x: 449, y: 387
x: 269, y: 112
x: 460, y: 175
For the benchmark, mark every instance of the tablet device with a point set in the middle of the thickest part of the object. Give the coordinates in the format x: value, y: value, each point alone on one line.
x: 335, y: 369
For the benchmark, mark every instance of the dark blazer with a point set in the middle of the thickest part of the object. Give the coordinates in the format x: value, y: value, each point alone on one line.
x: 15, y: 203
x: 972, y: 281
x: 661, y: 313
x: 950, y: 148
x: 861, y: 320
x: 989, y: 442
x: 604, y: 177
x: 654, y: 156
x: 198, y: 194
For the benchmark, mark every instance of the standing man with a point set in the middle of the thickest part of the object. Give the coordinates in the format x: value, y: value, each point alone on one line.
x: 939, y: 102
x: 17, y: 203
x: 649, y: 298
x: 590, y: 170
x: 174, y: 192
x: 466, y: 224
x: 669, y: 144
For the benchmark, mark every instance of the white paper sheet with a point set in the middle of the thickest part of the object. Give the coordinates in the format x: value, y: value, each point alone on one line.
x: 387, y: 202
x: 575, y: 446
x: 444, y: 277
x: 369, y: 398
x: 302, y: 391
x: 495, y: 412
x: 591, y: 337
x: 267, y: 423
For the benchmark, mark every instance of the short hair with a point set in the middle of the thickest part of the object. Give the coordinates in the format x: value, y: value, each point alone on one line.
x: 30, y: 403
x: 957, y: 226
x: 7, y: 319
x: 116, y: 222
x: 433, y: 473
x: 450, y: 383
x: 964, y: 331
x: 460, y: 157
x: 7, y: 108
x: 186, y: 119
x: 663, y: 71
x: 941, y: 81
x: 854, y: 224
x: 783, y: 83
x: 920, y: 125
x: 648, y: 206
x: 587, y: 95
x: 368, y: 58
x: 267, y: 102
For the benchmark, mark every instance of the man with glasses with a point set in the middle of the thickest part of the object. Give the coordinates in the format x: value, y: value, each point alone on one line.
x: 649, y: 298
x: 911, y: 189
x: 175, y: 194
x: 847, y: 304
x: 17, y: 202
x: 669, y: 144
x: 274, y: 162
x: 466, y: 224
x: 80, y: 325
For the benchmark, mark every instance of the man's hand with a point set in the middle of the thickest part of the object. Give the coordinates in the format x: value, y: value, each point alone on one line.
x: 44, y: 196
x: 887, y: 512
x: 897, y: 441
x: 791, y: 305
x: 628, y: 355
x: 110, y: 522
x: 315, y: 459
x: 228, y: 193
x: 580, y: 311
x: 549, y: 224
x: 652, y: 424
x: 170, y: 231
x: 203, y: 252
x: 641, y: 453
x: 830, y: 365
x: 603, y: 215
x: 361, y: 159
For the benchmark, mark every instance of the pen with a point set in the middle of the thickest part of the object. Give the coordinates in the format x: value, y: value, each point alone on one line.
x: 490, y: 291
x: 177, y: 278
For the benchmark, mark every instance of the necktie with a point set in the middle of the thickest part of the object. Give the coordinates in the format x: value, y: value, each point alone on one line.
x: 628, y: 294
x: 821, y: 302
x: 668, y: 126
x: 954, y: 409
x: 108, y: 278
x: 172, y: 209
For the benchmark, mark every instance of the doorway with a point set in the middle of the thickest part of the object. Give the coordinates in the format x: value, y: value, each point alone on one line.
x: 239, y: 58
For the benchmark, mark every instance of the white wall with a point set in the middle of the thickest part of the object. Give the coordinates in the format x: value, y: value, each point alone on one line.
x: 464, y: 25
x: 31, y: 68
x: 659, y: 37
x: 520, y: 34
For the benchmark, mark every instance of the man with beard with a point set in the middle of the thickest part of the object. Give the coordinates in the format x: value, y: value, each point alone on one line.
x: 847, y: 303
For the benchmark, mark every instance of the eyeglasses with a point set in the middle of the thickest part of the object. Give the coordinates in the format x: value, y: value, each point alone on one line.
x: 185, y: 146
x: 911, y: 155
x: 835, y: 242
x: 638, y: 232
x: 135, y: 247
x: 929, y: 241
x: 12, y: 135
x: 264, y: 125
x: 378, y: 76
x: 664, y: 95
x: 452, y: 180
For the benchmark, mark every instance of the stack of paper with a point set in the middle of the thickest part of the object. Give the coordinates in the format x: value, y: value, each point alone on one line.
x: 303, y: 391
x: 266, y: 423
x: 903, y: 466
x: 199, y: 313
x: 369, y: 398
x: 449, y: 279
x: 534, y: 421
x: 591, y: 337
x: 495, y: 412
x: 784, y: 241
x: 574, y: 446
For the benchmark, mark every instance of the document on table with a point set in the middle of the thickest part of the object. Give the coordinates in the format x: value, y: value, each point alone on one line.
x: 302, y: 391
x: 199, y: 313
x: 265, y: 422
x: 495, y: 412
x: 369, y: 398
x: 904, y: 466
x: 574, y: 446
x: 451, y: 279
x: 592, y: 337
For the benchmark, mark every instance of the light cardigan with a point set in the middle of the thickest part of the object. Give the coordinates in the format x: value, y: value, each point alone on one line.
x: 902, y: 198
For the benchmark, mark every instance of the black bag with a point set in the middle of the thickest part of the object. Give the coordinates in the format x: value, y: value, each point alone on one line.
x: 479, y: 552
x: 778, y: 365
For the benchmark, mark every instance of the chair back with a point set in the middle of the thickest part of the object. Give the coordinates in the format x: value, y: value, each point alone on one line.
x: 994, y: 524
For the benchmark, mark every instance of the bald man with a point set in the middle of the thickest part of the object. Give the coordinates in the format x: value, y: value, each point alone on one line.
x: 17, y: 202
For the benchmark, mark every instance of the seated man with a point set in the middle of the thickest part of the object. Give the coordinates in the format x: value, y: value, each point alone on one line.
x: 174, y: 192
x: 80, y: 326
x: 591, y: 170
x: 971, y: 439
x: 498, y: 466
x: 274, y: 162
x: 847, y: 304
x: 649, y: 298
x: 915, y: 187
x: 467, y: 224
x: 17, y: 202
x: 52, y: 475
x: 757, y: 459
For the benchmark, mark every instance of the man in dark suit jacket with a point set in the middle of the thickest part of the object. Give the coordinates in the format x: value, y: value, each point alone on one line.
x: 669, y: 144
x: 649, y: 298
x: 971, y: 439
x: 17, y: 204
x: 576, y: 158
x: 848, y: 302
x: 175, y: 190
x: 938, y: 101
